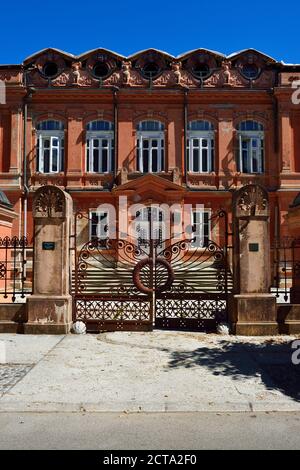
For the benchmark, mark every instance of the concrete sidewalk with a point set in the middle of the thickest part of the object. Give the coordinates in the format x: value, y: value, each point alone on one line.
x: 150, y: 372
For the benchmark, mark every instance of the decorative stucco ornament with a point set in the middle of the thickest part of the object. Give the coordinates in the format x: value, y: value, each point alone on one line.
x: 79, y: 328
x: 223, y: 329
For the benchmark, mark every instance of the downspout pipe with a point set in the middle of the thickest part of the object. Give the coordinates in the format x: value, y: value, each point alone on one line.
x: 25, y: 180
x: 185, y: 118
x: 25, y: 185
x: 116, y: 135
x: 185, y: 143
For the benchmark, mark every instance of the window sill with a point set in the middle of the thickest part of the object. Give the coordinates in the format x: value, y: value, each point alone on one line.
x: 206, y: 173
x: 39, y: 173
x: 250, y: 174
x: 94, y: 173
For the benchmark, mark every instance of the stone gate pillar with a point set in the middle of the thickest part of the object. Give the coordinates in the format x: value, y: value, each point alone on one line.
x: 50, y: 307
x: 254, y: 309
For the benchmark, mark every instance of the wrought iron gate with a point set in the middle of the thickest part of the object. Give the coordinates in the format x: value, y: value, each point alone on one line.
x: 121, y: 285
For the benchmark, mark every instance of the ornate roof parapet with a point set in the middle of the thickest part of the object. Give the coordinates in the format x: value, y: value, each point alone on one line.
x: 150, y: 68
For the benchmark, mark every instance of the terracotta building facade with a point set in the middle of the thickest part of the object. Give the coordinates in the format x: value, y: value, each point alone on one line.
x: 192, y: 129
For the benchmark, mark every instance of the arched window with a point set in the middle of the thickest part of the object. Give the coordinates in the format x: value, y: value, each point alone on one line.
x: 150, y: 146
x: 251, y: 147
x: 99, y: 147
x: 200, y: 146
x: 50, y: 146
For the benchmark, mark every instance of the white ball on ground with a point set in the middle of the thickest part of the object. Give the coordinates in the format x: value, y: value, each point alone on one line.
x: 223, y: 329
x: 79, y: 328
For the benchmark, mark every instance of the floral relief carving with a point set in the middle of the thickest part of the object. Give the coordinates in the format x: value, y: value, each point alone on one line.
x: 227, y: 76
x: 114, y: 79
x: 46, y: 181
x: 252, y: 200
x: 63, y: 79
x: 49, y: 201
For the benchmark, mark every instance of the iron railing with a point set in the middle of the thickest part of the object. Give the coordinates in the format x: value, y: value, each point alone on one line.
x: 15, y: 277
x: 286, y: 269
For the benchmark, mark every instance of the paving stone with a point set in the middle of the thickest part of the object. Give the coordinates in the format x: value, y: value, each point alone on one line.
x: 11, y: 374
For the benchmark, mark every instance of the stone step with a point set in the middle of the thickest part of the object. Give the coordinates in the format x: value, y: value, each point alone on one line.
x: 11, y: 327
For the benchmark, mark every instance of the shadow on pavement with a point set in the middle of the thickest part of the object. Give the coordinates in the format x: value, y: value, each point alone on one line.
x: 270, y: 361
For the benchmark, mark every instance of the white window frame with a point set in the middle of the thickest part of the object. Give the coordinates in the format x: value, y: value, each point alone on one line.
x: 105, y: 234
x: 201, y: 135
x: 151, y: 135
x: 100, y: 135
x: 158, y: 225
x: 249, y: 137
x: 201, y: 223
x: 50, y: 135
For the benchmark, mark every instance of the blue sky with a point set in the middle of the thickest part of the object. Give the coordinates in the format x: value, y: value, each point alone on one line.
x: 128, y: 26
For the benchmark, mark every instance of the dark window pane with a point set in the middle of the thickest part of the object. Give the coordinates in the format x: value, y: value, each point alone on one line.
x: 96, y: 160
x: 104, y: 160
x: 254, y: 164
x: 100, y: 126
x: 145, y: 161
x: 112, y: 163
x: 62, y: 160
x: 88, y: 160
x: 150, y: 126
x: 204, y: 160
x: 154, y: 161
x: 245, y: 161
x: 46, y: 161
x: 196, y: 160
x: 54, y: 160
x: 138, y: 159
x: 200, y: 126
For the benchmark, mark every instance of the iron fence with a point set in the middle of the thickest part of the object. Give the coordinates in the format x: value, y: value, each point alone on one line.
x: 286, y: 269
x: 15, y: 275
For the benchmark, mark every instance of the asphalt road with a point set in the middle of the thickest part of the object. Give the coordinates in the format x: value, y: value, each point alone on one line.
x: 276, y: 430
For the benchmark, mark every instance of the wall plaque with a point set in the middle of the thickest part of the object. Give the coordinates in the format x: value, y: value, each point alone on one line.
x: 253, y: 247
x: 48, y: 246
